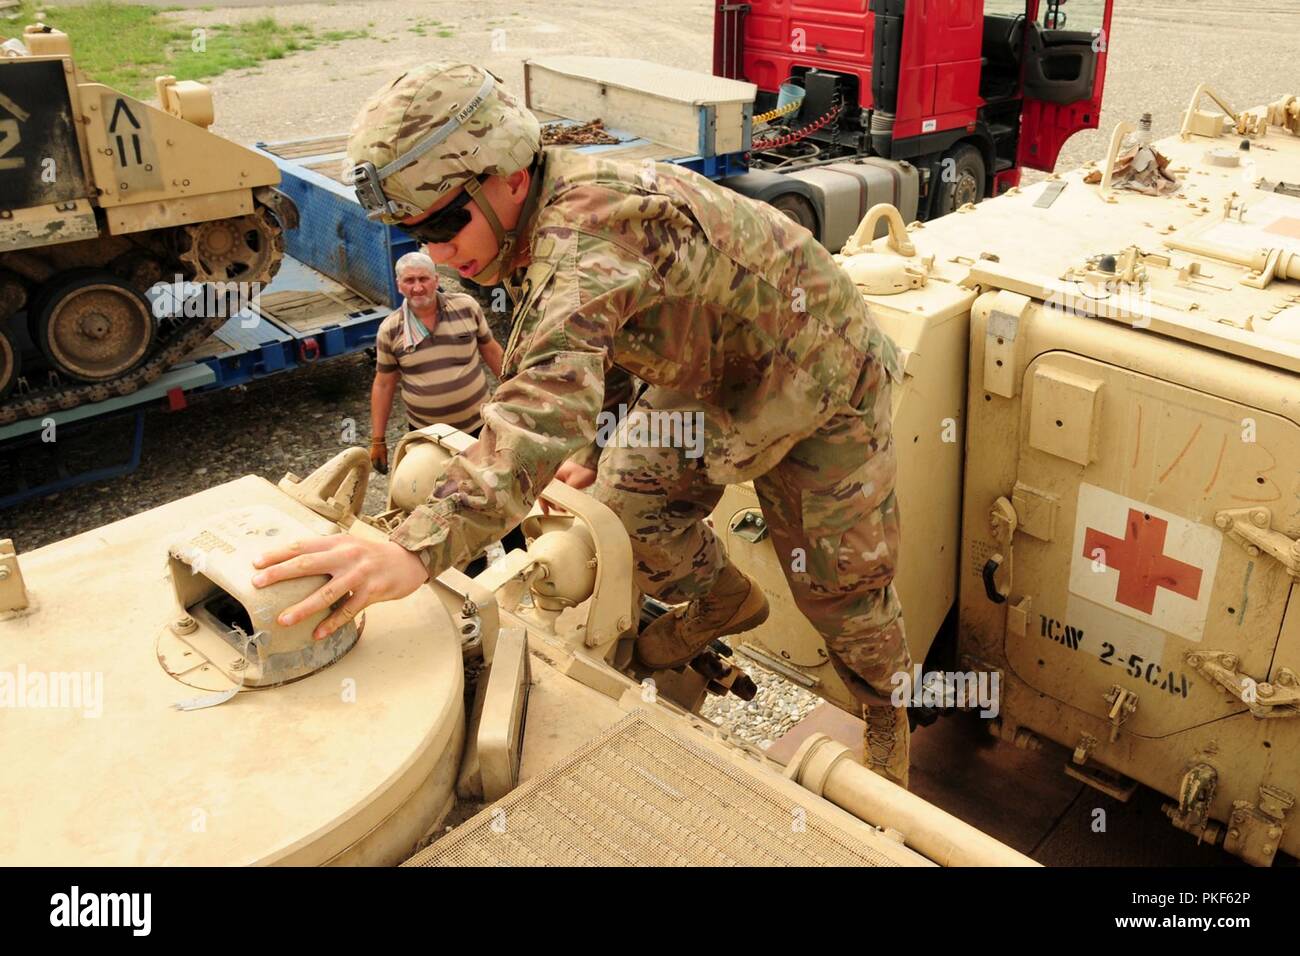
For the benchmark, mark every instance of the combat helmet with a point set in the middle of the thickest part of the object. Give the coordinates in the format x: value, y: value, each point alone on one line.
x: 432, y: 129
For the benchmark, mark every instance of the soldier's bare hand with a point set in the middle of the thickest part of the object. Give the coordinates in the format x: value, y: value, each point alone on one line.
x: 575, y: 475
x: 368, y: 571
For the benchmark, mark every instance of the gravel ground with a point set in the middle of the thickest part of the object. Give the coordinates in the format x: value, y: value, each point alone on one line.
x: 1160, y: 50
x: 777, y: 707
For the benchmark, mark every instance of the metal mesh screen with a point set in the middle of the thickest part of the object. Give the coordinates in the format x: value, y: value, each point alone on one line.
x: 638, y: 796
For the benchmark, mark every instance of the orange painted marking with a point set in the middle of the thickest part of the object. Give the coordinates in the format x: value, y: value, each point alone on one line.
x: 1137, y: 445
x: 1217, y: 465
x: 1186, y: 449
x: 1277, y: 492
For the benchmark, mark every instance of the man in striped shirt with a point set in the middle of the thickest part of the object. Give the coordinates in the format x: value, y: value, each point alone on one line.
x: 436, y: 346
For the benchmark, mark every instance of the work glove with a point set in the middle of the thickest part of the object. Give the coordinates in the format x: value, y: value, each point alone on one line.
x: 379, y: 455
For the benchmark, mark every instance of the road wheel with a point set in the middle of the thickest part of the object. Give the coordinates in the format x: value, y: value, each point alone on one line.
x: 961, y: 179
x: 10, y: 367
x: 797, y: 208
x: 93, y: 326
x: 242, y: 249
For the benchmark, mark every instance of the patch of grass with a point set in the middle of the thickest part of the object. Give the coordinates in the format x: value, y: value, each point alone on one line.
x: 446, y: 33
x: 421, y: 27
x: 127, y: 46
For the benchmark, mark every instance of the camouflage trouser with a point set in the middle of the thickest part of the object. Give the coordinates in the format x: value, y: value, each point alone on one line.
x: 830, y: 507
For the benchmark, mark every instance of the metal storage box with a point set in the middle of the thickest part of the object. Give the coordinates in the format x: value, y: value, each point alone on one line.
x: 695, y: 113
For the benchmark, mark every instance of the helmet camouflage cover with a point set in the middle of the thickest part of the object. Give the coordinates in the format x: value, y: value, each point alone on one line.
x: 492, y: 135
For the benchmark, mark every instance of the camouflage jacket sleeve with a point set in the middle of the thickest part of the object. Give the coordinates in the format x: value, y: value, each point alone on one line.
x: 577, y: 293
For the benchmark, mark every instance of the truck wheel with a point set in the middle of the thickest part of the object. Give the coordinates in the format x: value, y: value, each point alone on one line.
x: 10, y: 366
x: 93, y: 326
x: 797, y: 208
x: 961, y: 179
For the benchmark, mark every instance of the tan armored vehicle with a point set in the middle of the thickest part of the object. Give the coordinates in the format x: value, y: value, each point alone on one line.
x: 101, y: 197
x: 155, y: 713
x: 1099, y: 443
x: 1099, y: 437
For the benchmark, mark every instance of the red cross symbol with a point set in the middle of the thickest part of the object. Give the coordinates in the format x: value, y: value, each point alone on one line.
x: 1141, y: 562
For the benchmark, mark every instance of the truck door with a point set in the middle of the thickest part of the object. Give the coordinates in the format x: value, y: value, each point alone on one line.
x: 1065, y: 48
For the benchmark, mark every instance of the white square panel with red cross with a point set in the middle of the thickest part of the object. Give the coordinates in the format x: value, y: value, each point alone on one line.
x: 1151, y: 565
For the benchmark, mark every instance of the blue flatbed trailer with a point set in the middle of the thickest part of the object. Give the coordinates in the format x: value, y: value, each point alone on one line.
x: 334, y: 288
x: 302, y: 317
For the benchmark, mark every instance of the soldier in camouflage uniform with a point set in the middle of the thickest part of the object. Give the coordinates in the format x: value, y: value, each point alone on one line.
x: 721, y: 305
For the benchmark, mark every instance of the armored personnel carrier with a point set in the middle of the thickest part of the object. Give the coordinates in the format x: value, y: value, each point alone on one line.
x: 1099, y: 447
x: 1099, y: 469
x: 101, y: 197
x: 156, y: 713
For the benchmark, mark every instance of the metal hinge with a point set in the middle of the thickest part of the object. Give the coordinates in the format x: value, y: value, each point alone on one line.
x: 1281, y: 698
x: 1252, y: 528
x: 1255, y: 832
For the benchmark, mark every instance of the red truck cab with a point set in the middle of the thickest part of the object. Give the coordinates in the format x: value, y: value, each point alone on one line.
x: 968, y: 91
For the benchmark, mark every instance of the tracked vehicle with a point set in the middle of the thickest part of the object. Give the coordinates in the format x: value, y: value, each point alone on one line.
x: 157, y: 714
x: 102, y: 197
x: 1099, y: 479
x: 1099, y: 447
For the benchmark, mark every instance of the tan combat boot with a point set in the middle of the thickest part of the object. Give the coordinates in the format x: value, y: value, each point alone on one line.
x: 735, y: 604
x: 885, y: 742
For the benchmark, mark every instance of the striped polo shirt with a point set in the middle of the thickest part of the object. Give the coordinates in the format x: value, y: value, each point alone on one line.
x: 443, y: 377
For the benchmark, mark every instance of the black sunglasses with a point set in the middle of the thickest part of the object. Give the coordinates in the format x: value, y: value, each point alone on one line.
x: 444, y: 224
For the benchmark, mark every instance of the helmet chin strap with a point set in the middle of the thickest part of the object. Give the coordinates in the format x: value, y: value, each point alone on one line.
x: 505, y: 240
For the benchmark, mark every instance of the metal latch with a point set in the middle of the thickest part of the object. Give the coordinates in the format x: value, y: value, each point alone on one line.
x: 1003, y: 522
x: 1195, y: 797
x: 749, y: 525
x: 1083, y: 749
x: 1107, y: 781
x: 1278, y: 699
x: 1123, y: 704
x: 1252, y: 528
